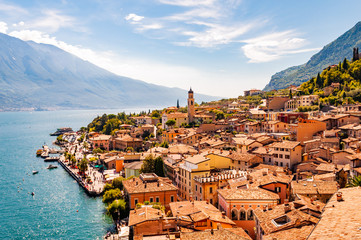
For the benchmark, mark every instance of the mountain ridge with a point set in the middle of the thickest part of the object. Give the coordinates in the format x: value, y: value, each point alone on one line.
x: 43, y: 76
x: 330, y: 54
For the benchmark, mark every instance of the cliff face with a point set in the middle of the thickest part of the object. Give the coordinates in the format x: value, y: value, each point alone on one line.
x: 44, y: 76
x: 332, y: 53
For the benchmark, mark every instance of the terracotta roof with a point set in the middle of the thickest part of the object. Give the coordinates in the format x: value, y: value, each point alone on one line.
x: 144, y: 214
x: 196, y: 159
x: 136, y: 185
x: 302, y: 202
x: 127, y: 138
x: 285, y: 144
x: 295, y: 218
x: 340, y: 219
x: 240, y: 232
x: 270, y: 167
x: 328, y: 167
x: 314, y: 187
x: 247, y: 194
x: 296, y: 233
x: 243, y: 141
x: 221, y: 234
x: 245, y: 157
x: 198, y: 211
x: 177, y: 115
x: 180, y: 148
x: 101, y: 137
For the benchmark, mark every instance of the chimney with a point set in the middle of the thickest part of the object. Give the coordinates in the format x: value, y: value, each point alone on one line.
x: 145, y: 185
x: 339, y: 196
x: 318, y: 208
x: 158, y: 184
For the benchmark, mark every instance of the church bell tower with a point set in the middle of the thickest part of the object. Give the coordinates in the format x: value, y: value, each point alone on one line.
x: 191, y: 111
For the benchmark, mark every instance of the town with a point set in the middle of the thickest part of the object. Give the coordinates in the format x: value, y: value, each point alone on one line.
x: 247, y: 168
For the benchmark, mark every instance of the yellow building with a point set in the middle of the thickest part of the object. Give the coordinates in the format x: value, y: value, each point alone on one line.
x: 199, y: 165
x: 178, y: 117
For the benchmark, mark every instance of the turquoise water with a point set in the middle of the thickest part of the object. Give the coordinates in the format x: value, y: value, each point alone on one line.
x: 60, y: 209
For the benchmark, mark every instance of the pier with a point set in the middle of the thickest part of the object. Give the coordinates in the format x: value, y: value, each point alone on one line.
x: 94, y: 189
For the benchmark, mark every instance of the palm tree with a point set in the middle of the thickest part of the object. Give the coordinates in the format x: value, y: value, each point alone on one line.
x: 354, y: 182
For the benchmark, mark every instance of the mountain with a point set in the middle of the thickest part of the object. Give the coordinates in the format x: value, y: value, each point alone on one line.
x: 43, y: 76
x: 331, y: 54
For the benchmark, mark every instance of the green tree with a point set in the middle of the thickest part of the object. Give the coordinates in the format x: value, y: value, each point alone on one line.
x: 159, y: 166
x: 354, y: 182
x: 170, y: 123
x: 117, y: 209
x: 118, y: 182
x: 345, y: 64
x: 148, y: 164
x: 83, y: 165
x: 164, y: 144
x: 111, y: 195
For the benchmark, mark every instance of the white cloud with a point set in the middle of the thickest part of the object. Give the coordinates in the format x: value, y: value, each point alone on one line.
x: 215, y: 35
x: 20, y: 24
x: 150, y: 27
x: 188, y: 3
x: 3, y: 27
x: 273, y: 46
x: 12, y: 9
x: 51, y: 21
x: 132, y: 17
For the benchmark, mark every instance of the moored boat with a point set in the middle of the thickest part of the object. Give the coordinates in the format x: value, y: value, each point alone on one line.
x: 52, y: 166
x: 35, y: 172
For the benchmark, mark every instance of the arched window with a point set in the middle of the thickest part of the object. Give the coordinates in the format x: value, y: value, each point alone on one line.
x: 242, y: 214
x: 234, y: 214
x: 250, y: 214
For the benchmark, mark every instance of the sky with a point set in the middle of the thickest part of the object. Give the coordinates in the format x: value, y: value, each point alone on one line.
x: 217, y: 47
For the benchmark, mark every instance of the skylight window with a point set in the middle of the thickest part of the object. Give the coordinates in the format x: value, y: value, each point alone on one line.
x: 278, y: 222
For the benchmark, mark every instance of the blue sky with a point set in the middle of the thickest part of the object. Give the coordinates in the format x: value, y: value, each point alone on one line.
x: 219, y: 47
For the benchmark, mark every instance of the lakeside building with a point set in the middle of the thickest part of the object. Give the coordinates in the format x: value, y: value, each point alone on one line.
x: 149, y: 187
x: 101, y: 141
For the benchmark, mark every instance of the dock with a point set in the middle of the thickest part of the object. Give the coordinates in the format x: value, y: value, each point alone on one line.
x: 51, y: 159
x: 95, y: 189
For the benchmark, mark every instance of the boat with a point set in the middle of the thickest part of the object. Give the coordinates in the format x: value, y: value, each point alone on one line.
x: 52, y: 166
x: 39, y: 152
x: 32, y: 194
x: 35, y: 172
x: 61, y: 131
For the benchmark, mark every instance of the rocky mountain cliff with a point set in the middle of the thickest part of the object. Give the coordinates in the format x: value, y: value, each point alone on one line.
x: 332, y: 53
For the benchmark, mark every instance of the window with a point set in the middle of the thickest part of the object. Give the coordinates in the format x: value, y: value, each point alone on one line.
x: 234, y: 214
x: 210, y: 190
x: 211, y: 201
x: 171, y: 198
x: 135, y: 201
x: 287, y: 156
x: 277, y: 189
x: 200, y: 189
x: 281, y: 221
x: 242, y: 214
x: 250, y: 214
x: 151, y: 199
x: 280, y: 156
x: 157, y: 199
x: 281, y: 164
x: 196, y: 188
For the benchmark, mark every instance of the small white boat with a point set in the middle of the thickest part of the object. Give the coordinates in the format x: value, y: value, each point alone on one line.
x: 35, y: 172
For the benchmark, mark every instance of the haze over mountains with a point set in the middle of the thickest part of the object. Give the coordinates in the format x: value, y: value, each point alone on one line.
x: 43, y: 76
x: 333, y: 53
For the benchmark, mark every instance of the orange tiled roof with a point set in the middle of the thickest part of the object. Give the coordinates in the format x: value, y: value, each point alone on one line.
x: 144, y: 214
x: 340, y: 220
x: 247, y: 194
x: 136, y: 185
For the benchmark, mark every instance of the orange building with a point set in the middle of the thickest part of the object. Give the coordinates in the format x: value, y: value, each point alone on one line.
x: 149, y: 187
x: 307, y: 128
x: 239, y: 205
x: 101, y: 141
